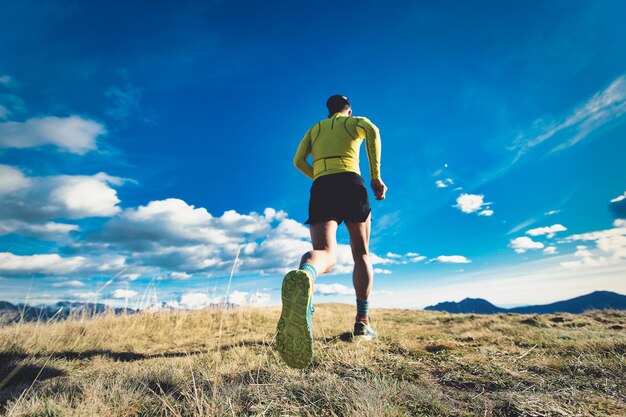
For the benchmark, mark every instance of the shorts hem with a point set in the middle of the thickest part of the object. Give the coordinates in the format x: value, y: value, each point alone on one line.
x: 311, y: 222
x: 359, y: 221
x: 338, y: 220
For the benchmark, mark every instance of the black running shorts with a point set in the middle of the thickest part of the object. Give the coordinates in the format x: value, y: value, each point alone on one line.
x: 340, y: 197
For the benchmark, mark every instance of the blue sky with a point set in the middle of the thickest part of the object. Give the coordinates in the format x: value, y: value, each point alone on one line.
x: 142, y: 146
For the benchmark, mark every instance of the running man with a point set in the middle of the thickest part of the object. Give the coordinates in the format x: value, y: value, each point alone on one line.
x: 338, y: 194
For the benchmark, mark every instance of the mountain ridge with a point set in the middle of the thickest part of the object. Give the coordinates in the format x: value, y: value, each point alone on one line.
x: 61, y: 310
x: 15, y: 313
x: 596, y: 300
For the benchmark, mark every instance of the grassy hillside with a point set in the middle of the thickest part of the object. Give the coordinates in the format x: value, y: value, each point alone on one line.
x: 425, y: 364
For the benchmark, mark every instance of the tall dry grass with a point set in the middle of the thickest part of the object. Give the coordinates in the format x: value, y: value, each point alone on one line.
x: 424, y: 364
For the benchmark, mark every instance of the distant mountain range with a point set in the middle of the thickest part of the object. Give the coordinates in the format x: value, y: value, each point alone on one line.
x: 11, y: 313
x: 15, y: 313
x: 598, y: 300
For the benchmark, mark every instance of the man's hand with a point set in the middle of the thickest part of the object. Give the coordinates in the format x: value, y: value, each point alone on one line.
x: 379, y: 188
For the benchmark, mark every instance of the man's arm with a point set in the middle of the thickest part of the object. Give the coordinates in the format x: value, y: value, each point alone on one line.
x: 304, y: 150
x: 367, y: 129
x: 372, y: 143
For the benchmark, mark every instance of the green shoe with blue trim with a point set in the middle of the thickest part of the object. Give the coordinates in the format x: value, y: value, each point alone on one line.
x: 294, y: 338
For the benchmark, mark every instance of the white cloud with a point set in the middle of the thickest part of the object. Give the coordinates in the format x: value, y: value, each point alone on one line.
x: 109, y: 263
x: 61, y: 196
x: 290, y: 227
x: 333, y: 289
x: 444, y: 183
x: 524, y: 243
x: 170, y: 239
x: 395, y: 258
x: 130, y: 277
x: 180, y: 275
x: 69, y: 284
x: 273, y: 214
x: 451, y: 259
x: 121, y: 293
x: 215, y: 259
x: 173, y: 222
x: 582, y: 251
x: 46, y: 231
x: 416, y: 258
x: 550, y: 250
x: 256, y: 298
x: 601, y: 109
x: 551, y: 212
x: 469, y: 203
x: 39, y: 264
x: 86, y: 295
x: 198, y: 300
x: 610, y: 246
x: 486, y: 213
x: 281, y: 249
x: 12, y: 179
x: 587, y: 259
x: 53, y: 264
x: 619, y: 228
x: 193, y: 301
x: 382, y: 271
x: 73, y: 134
x: 183, y: 239
x: 618, y: 198
x: 84, y: 196
x: 549, y: 230
x: 613, y: 245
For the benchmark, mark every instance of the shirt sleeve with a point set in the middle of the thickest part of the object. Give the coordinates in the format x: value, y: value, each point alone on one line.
x: 365, y: 128
x: 304, y: 150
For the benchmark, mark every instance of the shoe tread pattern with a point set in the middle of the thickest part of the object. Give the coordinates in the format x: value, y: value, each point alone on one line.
x: 294, y: 340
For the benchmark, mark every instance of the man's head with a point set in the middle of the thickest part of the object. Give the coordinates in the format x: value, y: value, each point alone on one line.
x: 338, y: 104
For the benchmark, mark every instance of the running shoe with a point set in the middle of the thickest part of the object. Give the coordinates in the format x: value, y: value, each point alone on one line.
x: 294, y: 340
x: 363, y: 331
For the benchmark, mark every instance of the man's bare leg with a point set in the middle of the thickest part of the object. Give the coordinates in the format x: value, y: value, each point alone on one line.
x: 294, y: 331
x: 363, y: 275
x: 324, y: 254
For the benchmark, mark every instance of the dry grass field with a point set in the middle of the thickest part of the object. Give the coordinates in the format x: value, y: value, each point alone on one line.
x: 424, y: 364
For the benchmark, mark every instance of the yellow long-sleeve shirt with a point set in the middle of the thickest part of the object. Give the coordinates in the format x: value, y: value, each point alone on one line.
x: 334, y: 144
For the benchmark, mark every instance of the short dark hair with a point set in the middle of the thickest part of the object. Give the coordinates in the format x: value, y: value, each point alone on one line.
x: 336, y: 104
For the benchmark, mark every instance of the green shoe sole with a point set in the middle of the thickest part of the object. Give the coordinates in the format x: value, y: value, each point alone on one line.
x: 294, y: 340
